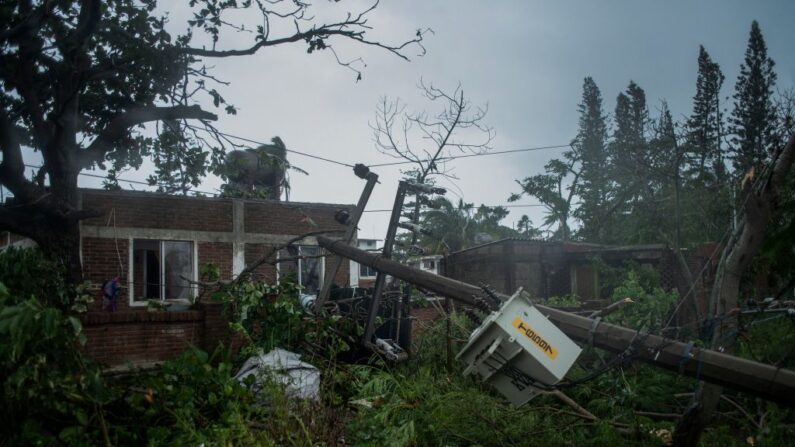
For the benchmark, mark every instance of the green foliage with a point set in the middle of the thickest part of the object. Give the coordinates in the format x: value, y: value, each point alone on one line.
x: 650, y: 307
x: 270, y: 316
x: 753, y: 119
x: 423, y: 404
x: 192, y: 400
x: 459, y: 226
x: 555, y: 189
x: 49, y: 391
x: 563, y: 301
x: 591, y: 144
x: 26, y: 273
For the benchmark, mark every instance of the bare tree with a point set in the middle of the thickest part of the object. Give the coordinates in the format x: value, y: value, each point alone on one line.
x: 427, y: 141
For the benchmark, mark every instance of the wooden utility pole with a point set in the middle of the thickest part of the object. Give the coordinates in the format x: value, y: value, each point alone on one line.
x: 763, y: 380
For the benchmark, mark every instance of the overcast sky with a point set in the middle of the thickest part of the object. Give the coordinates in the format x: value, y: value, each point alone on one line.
x: 526, y: 59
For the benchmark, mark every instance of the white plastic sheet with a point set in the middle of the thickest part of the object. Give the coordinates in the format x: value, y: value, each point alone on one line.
x: 300, y: 379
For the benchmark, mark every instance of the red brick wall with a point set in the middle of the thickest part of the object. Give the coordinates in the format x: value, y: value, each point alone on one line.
x: 144, y: 210
x: 266, y: 272
x: 101, y: 262
x: 218, y: 253
x: 285, y: 218
x: 141, y: 337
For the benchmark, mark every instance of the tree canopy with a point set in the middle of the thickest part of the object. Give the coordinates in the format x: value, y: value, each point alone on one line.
x: 81, y: 78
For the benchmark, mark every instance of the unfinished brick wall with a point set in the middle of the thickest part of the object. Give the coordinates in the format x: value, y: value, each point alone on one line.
x: 145, y: 338
x: 141, y: 338
x: 104, y: 259
x: 289, y: 218
x: 149, y: 210
x: 266, y: 272
x: 219, y: 254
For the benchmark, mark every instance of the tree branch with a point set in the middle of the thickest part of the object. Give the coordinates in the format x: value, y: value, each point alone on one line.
x: 352, y: 28
x: 119, y: 127
x: 274, y: 250
x: 30, y: 23
x: 87, y: 23
x: 12, y: 168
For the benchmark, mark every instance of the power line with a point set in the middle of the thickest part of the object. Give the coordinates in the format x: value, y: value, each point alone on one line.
x: 482, y: 154
x: 249, y: 140
x: 118, y: 179
x: 490, y: 206
x: 378, y: 165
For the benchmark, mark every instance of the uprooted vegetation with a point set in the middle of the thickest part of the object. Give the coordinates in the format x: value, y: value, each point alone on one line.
x: 53, y: 395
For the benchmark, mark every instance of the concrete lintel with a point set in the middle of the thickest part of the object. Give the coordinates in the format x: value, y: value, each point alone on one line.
x: 104, y: 232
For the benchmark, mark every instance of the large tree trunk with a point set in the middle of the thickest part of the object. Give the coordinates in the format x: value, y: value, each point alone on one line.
x: 60, y: 242
x: 761, y: 200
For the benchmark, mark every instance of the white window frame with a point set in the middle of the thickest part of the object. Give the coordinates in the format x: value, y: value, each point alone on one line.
x: 300, y: 261
x: 374, y: 271
x: 130, y: 270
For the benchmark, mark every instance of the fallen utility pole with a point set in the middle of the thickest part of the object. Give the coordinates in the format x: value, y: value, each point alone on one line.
x: 363, y: 172
x: 766, y: 381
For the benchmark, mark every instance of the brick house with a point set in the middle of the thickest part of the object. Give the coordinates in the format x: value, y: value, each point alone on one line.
x: 156, y: 245
x: 555, y: 268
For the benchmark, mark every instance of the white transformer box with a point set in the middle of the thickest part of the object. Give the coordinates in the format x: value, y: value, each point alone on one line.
x: 517, y: 347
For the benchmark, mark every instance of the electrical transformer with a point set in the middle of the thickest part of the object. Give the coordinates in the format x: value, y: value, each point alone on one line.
x: 517, y: 350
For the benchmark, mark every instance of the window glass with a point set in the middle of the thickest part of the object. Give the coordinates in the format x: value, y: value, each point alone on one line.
x: 310, y: 269
x: 288, y: 263
x: 366, y: 271
x: 162, y: 270
x: 303, y: 265
x: 146, y: 269
x: 178, y: 269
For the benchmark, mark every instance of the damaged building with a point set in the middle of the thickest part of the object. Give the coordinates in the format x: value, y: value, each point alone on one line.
x: 157, y: 245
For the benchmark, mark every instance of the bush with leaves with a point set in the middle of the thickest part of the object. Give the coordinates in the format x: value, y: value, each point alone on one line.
x: 49, y: 391
x: 651, y: 304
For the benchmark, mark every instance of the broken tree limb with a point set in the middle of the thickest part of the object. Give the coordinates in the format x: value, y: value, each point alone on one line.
x: 761, y: 201
x: 611, y: 308
x: 760, y: 379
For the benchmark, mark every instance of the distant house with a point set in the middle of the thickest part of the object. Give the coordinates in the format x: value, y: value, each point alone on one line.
x: 362, y: 275
x: 555, y: 268
x: 430, y: 263
x: 157, y: 244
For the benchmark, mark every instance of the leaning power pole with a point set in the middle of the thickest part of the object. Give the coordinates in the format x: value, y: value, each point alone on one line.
x: 766, y: 381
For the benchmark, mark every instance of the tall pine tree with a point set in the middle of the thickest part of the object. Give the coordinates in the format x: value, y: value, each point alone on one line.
x: 629, y: 162
x: 705, y: 186
x: 704, y: 125
x: 591, y: 144
x: 753, y: 119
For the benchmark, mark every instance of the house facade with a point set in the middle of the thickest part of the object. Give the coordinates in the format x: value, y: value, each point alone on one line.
x: 157, y: 245
x: 362, y: 275
x: 555, y: 268
x: 429, y: 263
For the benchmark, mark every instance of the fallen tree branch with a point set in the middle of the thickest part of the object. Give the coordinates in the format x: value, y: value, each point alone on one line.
x: 267, y: 256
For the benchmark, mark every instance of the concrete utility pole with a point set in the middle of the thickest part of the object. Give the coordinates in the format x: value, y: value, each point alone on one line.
x: 766, y: 381
x: 363, y: 172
